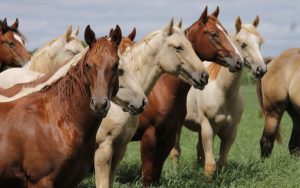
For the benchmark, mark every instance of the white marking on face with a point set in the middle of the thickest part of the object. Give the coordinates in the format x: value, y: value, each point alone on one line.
x: 236, y: 50
x: 18, y: 38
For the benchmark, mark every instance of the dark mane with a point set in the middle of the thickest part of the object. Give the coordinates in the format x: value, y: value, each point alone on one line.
x: 15, y: 31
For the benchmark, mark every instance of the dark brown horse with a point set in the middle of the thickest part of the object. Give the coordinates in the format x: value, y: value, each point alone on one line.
x: 166, y: 109
x: 283, y: 71
x: 47, y: 138
x: 12, y: 50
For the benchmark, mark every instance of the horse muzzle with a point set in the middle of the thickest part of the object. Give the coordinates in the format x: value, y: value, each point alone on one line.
x: 100, y: 108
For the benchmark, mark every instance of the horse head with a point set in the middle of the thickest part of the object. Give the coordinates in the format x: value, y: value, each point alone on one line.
x: 211, y: 42
x: 248, y: 41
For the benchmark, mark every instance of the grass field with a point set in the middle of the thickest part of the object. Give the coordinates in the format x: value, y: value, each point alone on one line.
x: 245, y: 169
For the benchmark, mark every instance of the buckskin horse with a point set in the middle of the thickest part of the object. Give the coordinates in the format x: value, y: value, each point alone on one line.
x: 48, y: 134
x: 12, y: 50
x: 218, y: 109
x: 165, y: 50
x: 283, y: 71
x: 166, y: 110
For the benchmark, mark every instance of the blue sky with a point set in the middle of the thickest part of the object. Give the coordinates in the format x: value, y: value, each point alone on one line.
x: 42, y: 20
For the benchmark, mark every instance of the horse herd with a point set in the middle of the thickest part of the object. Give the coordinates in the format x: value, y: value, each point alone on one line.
x: 66, y: 107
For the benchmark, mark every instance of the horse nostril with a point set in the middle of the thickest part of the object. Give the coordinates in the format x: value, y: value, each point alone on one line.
x: 144, y: 102
x: 205, y: 77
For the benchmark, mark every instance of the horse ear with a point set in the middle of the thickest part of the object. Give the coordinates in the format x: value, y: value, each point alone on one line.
x: 179, y: 24
x: 168, y: 30
x: 131, y: 36
x: 89, y: 36
x: 216, y: 12
x: 116, y: 35
x: 77, y: 31
x: 15, y: 25
x: 68, y: 33
x: 4, y: 26
x: 110, y: 32
x: 203, y: 18
x: 256, y: 21
x: 238, y: 24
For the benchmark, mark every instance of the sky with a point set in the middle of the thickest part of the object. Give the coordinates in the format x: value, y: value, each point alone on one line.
x: 43, y: 20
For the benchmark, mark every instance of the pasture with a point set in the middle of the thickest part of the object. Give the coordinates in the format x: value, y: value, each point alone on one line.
x: 245, y: 169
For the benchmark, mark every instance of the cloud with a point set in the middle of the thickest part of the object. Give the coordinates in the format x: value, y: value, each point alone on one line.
x: 42, y: 20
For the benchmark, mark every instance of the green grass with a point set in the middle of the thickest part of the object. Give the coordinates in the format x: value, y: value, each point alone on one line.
x: 245, y: 169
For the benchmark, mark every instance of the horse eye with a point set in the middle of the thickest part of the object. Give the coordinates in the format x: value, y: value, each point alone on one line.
x: 121, y: 72
x: 11, y: 44
x: 88, y: 66
x: 178, y: 49
x: 244, y: 45
x: 213, y: 34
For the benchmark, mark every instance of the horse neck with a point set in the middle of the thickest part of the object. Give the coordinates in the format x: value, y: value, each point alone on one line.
x: 142, y: 60
x: 71, y: 96
x: 228, y: 81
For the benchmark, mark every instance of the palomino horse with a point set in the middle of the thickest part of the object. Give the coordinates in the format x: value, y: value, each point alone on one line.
x: 47, y: 59
x: 162, y: 118
x: 217, y: 110
x: 165, y: 50
x: 12, y: 50
x: 130, y: 96
x: 54, y: 131
x: 283, y: 71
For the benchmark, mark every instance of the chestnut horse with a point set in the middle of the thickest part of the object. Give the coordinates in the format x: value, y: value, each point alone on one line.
x: 12, y: 50
x: 50, y: 133
x: 162, y: 118
x: 165, y: 50
x: 221, y: 114
x: 283, y: 71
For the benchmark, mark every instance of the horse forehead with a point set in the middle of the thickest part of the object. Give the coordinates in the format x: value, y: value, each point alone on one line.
x: 18, y: 38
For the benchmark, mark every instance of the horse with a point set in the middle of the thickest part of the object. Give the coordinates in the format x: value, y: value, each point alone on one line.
x: 130, y: 95
x: 47, y: 59
x: 282, y: 70
x: 162, y: 118
x: 54, y: 131
x: 12, y: 49
x: 218, y: 109
x: 164, y: 50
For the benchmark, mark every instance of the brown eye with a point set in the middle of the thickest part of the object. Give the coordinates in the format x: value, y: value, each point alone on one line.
x: 244, y: 45
x: 11, y: 44
x: 213, y: 34
x: 87, y: 66
x: 121, y: 72
x: 178, y: 49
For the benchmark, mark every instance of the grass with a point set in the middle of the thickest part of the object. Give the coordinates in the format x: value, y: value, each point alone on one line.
x: 245, y: 169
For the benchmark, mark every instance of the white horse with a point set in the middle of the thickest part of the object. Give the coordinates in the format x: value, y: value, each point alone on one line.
x: 46, y: 59
x: 165, y: 50
x: 219, y: 107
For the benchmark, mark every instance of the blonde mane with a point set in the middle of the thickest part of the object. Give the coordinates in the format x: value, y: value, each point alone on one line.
x: 56, y: 76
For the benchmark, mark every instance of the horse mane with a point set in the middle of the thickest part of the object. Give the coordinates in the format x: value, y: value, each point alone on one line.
x: 73, y: 85
x: 251, y: 29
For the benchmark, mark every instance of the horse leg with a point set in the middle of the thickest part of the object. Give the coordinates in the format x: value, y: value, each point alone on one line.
x: 271, y: 131
x: 227, y: 139
x: 102, y: 162
x: 294, y: 143
x: 175, y: 152
x: 207, y: 136
x: 148, y: 144
x: 200, y: 150
x: 117, y: 157
x: 162, y: 151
